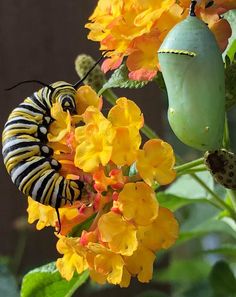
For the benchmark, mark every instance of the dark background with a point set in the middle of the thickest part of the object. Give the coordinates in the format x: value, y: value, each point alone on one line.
x: 40, y: 39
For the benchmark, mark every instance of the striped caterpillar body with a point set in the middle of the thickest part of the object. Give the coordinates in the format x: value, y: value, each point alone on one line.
x: 26, y: 156
x: 193, y: 70
x: 222, y: 165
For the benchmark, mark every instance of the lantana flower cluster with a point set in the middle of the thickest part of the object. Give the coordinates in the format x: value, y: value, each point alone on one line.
x: 117, y: 226
x: 135, y: 29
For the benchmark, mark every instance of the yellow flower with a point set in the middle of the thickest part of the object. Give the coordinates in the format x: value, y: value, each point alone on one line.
x: 45, y: 214
x: 155, y: 162
x: 118, y: 233
x: 61, y: 124
x: 162, y: 233
x: 137, y: 202
x: 104, y: 265
x: 74, y: 258
x: 94, y: 141
x: 85, y: 97
x: 141, y: 264
x: 125, y: 146
x: 126, y: 114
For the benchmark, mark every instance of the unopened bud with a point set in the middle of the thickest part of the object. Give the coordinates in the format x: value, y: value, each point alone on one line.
x: 96, y: 79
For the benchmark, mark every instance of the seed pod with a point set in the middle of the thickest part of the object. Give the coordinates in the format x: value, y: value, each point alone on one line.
x: 193, y: 71
x: 222, y: 165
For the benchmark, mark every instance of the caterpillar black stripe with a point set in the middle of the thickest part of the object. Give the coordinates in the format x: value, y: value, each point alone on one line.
x: 26, y: 156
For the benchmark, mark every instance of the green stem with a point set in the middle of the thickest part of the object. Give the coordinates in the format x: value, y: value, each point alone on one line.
x: 111, y: 97
x: 189, y: 165
x: 217, y: 199
x: 226, y: 139
x: 192, y: 170
x: 232, y: 196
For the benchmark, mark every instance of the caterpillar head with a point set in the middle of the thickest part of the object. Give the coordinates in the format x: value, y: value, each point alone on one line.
x: 64, y: 93
x: 222, y: 165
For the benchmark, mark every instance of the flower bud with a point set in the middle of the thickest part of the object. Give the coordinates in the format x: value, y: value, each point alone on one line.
x: 96, y: 79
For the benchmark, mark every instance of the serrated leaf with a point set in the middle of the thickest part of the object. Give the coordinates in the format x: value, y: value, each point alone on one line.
x: 8, y: 285
x: 120, y: 79
x: 222, y: 280
x: 46, y: 281
x: 230, y: 16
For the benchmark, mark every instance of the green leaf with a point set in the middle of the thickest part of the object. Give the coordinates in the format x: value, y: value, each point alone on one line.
x: 160, y: 81
x: 212, y: 225
x: 46, y: 281
x: 187, y: 187
x: 222, y: 280
x: 225, y: 249
x: 174, y: 202
x: 230, y: 78
x: 230, y: 16
x: 231, y: 51
x: 178, y: 271
x: 8, y: 285
x: 78, y: 229
x: 120, y: 79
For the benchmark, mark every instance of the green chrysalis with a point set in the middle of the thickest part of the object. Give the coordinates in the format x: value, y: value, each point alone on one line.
x: 193, y: 71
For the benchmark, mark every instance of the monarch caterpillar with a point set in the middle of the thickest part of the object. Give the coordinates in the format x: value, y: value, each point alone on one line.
x: 222, y: 165
x: 26, y: 155
x: 193, y: 71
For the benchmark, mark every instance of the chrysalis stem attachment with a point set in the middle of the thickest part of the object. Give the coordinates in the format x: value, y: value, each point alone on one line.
x: 192, y: 8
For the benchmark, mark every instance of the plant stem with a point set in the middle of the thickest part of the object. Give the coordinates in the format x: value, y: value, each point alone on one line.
x: 232, y: 196
x: 111, y: 97
x: 189, y: 165
x: 226, y: 139
x: 217, y: 199
x: 192, y: 170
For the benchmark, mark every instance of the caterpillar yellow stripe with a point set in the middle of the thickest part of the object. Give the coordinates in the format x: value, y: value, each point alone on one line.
x: 26, y: 155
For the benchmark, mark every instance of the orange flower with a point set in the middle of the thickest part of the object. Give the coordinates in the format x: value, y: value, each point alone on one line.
x: 137, y: 202
x: 155, y: 162
x: 118, y: 233
x: 135, y: 29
